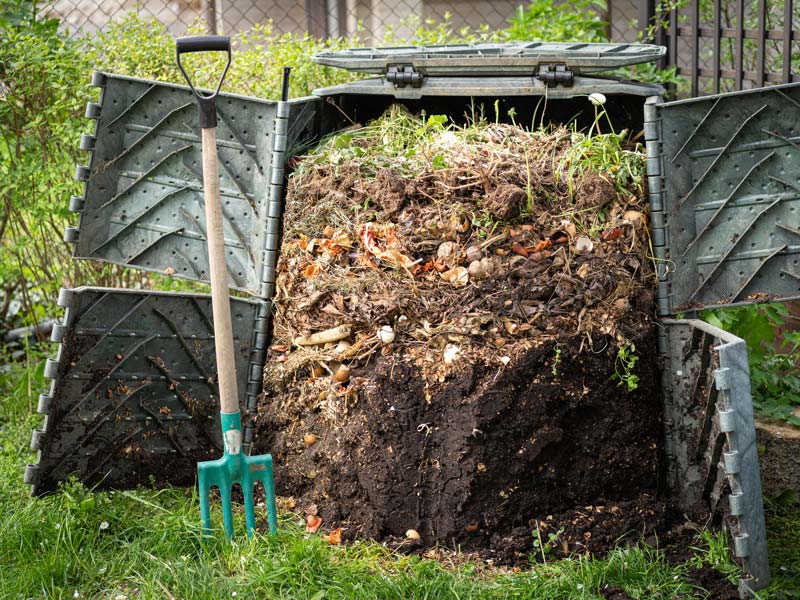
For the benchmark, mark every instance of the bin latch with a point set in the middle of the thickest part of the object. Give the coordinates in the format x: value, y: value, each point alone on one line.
x: 554, y: 74
x: 403, y: 75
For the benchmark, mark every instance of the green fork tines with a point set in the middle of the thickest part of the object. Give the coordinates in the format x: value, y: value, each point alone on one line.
x: 234, y: 467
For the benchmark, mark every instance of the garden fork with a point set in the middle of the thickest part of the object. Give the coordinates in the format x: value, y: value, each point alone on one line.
x: 234, y: 467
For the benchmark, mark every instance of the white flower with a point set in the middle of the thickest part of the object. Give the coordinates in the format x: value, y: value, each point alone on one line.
x: 58, y: 525
x: 597, y: 99
x: 234, y: 594
x: 76, y: 594
x: 580, y: 586
x: 103, y: 525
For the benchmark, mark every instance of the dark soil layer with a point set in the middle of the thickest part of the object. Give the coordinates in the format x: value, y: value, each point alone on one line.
x: 613, y: 592
x: 484, y: 455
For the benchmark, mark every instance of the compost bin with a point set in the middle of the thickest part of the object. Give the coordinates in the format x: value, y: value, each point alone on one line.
x: 485, y: 451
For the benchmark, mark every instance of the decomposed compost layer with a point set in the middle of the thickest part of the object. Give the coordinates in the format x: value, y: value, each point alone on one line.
x: 464, y: 342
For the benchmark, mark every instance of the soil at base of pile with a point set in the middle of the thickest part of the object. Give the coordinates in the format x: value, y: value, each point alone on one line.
x: 486, y: 456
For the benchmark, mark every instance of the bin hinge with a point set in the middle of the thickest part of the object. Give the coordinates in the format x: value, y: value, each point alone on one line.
x: 554, y: 74
x: 403, y: 75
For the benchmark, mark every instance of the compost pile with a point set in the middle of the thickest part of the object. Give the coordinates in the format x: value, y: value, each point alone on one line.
x: 463, y: 343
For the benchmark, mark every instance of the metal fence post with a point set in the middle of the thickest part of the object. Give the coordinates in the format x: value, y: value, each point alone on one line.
x: 211, y: 16
x: 317, y: 18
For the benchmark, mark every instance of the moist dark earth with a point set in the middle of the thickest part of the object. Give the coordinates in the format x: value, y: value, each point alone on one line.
x: 487, y: 455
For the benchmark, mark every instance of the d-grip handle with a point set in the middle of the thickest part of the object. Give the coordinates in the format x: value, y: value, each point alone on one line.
x: 203, y: 43
x: 206, y: 43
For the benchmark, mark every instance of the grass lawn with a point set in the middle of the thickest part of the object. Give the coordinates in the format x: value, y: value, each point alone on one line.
x: 148, y: 544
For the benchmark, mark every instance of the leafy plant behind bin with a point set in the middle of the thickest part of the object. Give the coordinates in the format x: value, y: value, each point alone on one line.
x: 774, y: 362
x: 544, y: 20
x: 139, y: 48
x: 39, y: 108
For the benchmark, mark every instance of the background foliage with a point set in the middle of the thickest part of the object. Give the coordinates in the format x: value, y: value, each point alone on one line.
x: 774, y: 353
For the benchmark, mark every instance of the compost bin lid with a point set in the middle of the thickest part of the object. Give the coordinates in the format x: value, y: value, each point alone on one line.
x: 518, y: 58
x: 557, y: 70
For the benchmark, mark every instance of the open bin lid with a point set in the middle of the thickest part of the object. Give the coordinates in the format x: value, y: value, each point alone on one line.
x: 520, y: 68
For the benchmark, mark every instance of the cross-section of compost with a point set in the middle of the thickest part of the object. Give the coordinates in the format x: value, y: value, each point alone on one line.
x: 464, y: 342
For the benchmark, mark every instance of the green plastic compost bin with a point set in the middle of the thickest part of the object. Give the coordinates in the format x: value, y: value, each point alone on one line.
x: 724, y: 184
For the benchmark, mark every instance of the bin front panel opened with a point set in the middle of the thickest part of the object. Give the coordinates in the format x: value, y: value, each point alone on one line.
x: 710, y: 441
x: 134, y: 393
x: 143, y: 203
x: 725, y: 197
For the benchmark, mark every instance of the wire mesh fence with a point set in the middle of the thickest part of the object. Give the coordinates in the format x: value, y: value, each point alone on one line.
x: 715, y: 45
x: 372, y: 19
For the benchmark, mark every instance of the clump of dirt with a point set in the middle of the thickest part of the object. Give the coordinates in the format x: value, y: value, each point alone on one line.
x: 613, y: 592
x: 715, y: 584
x: 463, y: 342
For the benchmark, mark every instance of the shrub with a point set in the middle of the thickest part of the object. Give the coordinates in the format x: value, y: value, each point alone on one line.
x: 544, y: 20
x: 145, y: 49
x: 39, y: 109
x: 774, y: 366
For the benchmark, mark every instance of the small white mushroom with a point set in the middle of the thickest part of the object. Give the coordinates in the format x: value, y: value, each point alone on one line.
x: 597, y: 99
x: 412, y: 534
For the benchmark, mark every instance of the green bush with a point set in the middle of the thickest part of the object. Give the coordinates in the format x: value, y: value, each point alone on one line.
x: 541, y: 20
x: 774, y: 362
x: 40, y: 108
x: 145, y: 49
x: 544, y: 20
